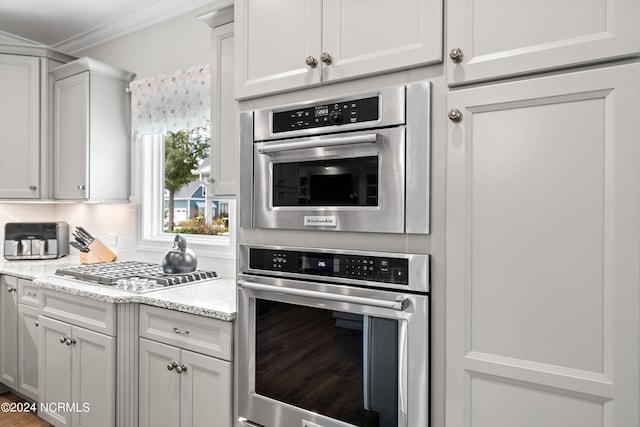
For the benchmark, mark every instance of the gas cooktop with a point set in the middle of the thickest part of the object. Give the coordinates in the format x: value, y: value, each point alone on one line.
x: 134, y: 276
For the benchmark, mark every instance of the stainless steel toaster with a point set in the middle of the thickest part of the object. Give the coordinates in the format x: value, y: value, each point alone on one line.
x: 36, y: 240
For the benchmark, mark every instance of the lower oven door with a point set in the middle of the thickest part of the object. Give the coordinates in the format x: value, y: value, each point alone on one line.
x: 318, y: 355
x: 341, y: 182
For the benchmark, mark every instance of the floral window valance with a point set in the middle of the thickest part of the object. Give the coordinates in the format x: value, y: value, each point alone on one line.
x: 171, y: 102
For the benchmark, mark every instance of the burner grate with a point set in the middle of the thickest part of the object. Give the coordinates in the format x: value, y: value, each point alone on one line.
x: 114, y: 273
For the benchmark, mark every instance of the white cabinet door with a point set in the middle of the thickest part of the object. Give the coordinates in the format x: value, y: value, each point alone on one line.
x: 159, y: 387
x: 71, y: 137
x: 366, y: 37
x: 225, y: 162
x: 500, y: 38
x: 28, y: 345
x: 205, y: 397
x: 76, y: 367
x: 20, y: 124
x: 543, y: 243
x: 54, y: 374
x: 8, y: 331
x: 273, y: 41
x: 295, y: 44
x: 94, y: 378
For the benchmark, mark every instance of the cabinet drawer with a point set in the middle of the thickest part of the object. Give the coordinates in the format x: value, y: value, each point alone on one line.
x: 28, y: 293
x: 94, y: 315
x: 200, y: 334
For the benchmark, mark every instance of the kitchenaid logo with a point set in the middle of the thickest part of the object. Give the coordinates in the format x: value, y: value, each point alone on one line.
x: 320, y: 221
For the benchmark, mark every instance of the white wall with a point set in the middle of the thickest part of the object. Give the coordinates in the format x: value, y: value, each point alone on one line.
x: 161, y: 49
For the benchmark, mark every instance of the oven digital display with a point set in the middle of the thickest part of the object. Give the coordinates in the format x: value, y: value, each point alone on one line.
x: 319, y: 264
x: 322, y: 111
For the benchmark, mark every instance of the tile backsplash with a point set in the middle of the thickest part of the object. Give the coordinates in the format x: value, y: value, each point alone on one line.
x: 114, y: 224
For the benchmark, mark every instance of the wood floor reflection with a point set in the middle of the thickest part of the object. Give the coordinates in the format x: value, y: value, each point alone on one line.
x: 313, y: 365
x: 22, y: 419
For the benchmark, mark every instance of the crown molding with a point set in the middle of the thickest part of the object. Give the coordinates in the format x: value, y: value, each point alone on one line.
x: 139, y: 19
x: 15, y: 45
x: 89, y: 64
x: 221, y: 13
x: 13, y: 39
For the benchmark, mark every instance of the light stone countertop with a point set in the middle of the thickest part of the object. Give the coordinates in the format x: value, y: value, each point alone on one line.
x: 212, y: 298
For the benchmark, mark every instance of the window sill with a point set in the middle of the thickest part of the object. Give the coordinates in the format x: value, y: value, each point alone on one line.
x: 218, y: 248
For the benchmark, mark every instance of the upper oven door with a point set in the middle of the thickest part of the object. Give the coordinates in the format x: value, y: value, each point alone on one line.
x: 344, y: 182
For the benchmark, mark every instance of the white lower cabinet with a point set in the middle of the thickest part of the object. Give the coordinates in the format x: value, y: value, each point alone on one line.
x: 78, y: 369
x: 28, y: 345
x: 8, y: 331
x: 180, y: 387
x: 77, y: 365
x: 19, y: 339
x: 543, y: 243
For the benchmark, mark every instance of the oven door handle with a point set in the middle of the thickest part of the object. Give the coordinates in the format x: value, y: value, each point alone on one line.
x: 397, y: 305
x: 275, y: 147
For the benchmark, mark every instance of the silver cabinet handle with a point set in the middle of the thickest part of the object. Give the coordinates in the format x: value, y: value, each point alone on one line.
x: 317, y: 142
x: 63, y: 340
x: 180, y: 369
x: 81, y: 186
x: 33, y: 188
x: 70, y: 341
x: 456, y: 55
x: 37, y: 323
x: 172, y: 365
x: 326, y: 58
x: 311, y: 62
x: 397, y: 305
x: 30, y: 294
x: 11, y: 289
x: 180, y: 331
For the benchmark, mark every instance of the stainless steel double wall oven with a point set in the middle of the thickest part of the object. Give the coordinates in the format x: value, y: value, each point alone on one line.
x: 355, y: 163
x: 325, y: 337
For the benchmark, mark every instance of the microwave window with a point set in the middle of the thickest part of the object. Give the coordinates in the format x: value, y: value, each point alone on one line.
x: 335, y: 182
x: 341, y: 365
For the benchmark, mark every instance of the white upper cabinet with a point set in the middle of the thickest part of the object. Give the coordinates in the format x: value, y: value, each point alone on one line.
x: 502, y: 38
x: 91, y: 142
x: 272, y: 41
x: 364, y: 37
x: 225, y: 148
x: 225, y: 162
x: 302, y: 43
x: 20, y: 124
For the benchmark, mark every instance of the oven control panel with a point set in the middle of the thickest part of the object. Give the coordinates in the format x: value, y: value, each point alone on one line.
x: 327, y: 114
x: 336, y: 265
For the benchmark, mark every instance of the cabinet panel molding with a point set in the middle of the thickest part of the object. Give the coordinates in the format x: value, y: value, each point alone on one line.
x: 20, y: 123
x: 543, y: 242
x: 537, y: 36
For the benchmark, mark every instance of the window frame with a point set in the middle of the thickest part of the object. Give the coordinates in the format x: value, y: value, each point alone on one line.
x: 148, y: 192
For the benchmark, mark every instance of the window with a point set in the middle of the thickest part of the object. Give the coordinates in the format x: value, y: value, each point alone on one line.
x: 170, y: 126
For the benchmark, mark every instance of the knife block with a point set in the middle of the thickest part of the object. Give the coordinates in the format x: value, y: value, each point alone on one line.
x: 98, y: 252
